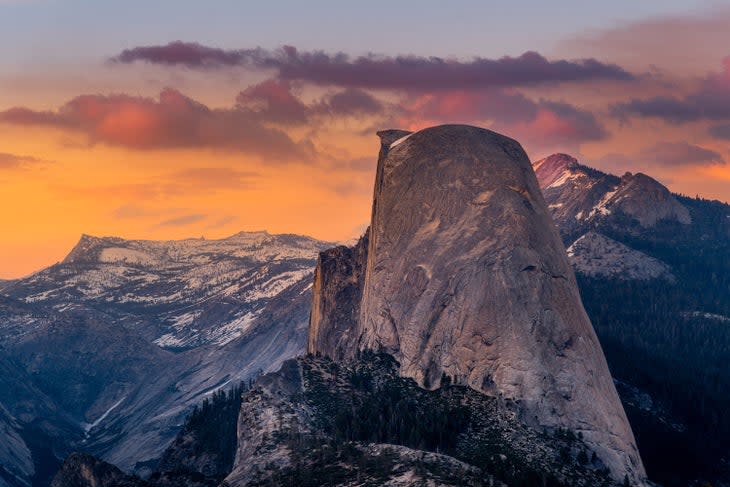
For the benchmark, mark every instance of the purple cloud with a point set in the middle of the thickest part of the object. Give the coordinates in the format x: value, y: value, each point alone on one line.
x: 382, y: 72
x: 189, y: 54
x: 273, y: 100
x: 540, y: 123
x: 678, y: 154
x: 720, y: 131
x: 710, y: 100
x: 351, y: 101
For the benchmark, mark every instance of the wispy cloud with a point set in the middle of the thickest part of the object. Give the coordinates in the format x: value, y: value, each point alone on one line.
x: 222, y: 222
x: 182, y: 221
x: 190, y: 181
x: 676, y: 154
x: 13, y: 161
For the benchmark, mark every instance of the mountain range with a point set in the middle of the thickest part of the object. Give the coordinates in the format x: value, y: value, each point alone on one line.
x: 108, y: 351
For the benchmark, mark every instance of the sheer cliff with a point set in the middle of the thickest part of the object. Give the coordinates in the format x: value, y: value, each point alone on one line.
x: 466, y: 277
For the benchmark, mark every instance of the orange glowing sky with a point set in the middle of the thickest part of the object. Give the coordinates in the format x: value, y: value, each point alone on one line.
x: 176, y: 140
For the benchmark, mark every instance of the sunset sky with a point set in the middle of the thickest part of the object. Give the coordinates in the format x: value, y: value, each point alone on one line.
x: 174, y: 119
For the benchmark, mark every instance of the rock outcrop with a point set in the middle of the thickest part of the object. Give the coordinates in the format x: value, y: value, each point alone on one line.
x: 467, y: 278
x: 597, y: 255
x: 82, y: 470
x: 335, y: 424
x: 648, y: 201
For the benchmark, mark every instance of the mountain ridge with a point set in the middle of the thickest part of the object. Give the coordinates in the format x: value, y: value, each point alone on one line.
x: 579, y: 195
x: 122, y: 277
x: 239, y: 306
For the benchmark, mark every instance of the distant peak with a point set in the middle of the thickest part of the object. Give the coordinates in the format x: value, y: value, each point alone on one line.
x: 558, y: 161
x: 563, y: 157
x: 555, y: 168
x: 86, y: 247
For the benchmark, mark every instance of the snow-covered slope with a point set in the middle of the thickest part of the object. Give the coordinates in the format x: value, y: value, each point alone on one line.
x: 178, y: 294
x: 579, y: 196
x: 121, y: 339
x: 596, y: 255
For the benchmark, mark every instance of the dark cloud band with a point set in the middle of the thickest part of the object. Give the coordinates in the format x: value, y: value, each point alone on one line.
x: 382, y: 72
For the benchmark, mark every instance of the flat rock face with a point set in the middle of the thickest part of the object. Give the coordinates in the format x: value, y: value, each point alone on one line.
x: 467, y: 276
x: 596, y: 255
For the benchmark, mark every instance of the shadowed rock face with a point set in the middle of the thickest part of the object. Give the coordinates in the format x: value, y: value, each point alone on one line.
x: 466, y: 276
x: 87, y: 345
x: 82, y: 470
x: 337, y: 290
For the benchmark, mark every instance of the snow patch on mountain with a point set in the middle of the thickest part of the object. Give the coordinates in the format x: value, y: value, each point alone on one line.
x: 707, y: 316
x: 277, y: 284
x: 194, y: 291
x: 90, y: 426
x: 578, y: 195
x: 565, y: 178
x: 601, y: 208
x: 400, y: 141
x: 127, y: 256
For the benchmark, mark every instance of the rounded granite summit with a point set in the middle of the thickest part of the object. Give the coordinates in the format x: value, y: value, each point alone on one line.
x: 466, y: 277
